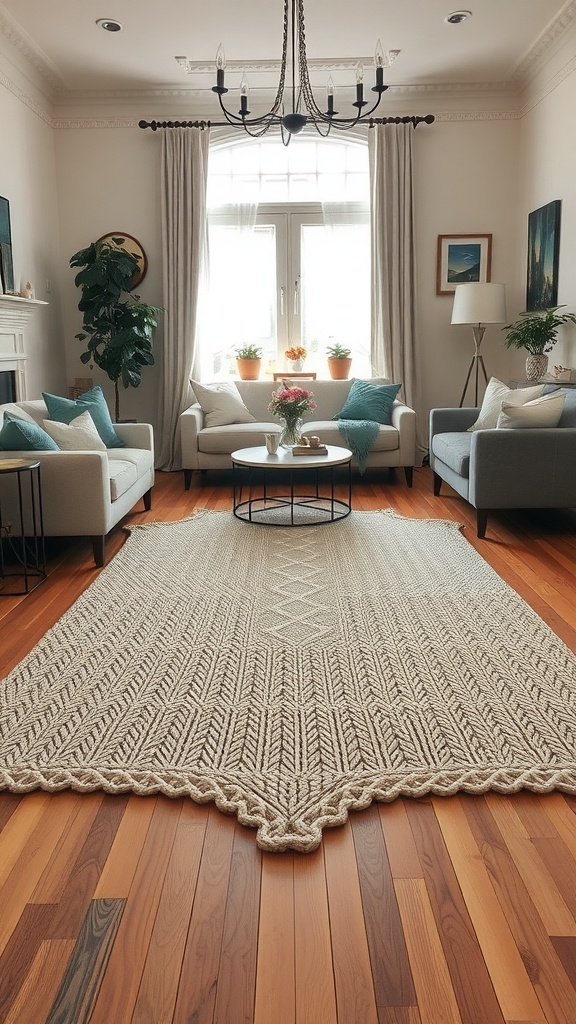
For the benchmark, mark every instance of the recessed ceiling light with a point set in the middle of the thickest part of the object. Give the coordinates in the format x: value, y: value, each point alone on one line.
x: 457, y: 17
x: 109, y: 25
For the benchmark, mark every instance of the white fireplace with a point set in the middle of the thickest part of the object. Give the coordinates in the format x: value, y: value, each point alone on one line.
x: 14, y: 316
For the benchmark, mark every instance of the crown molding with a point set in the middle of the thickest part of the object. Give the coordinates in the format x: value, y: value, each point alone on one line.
x: 31, y: 53
x: 196, y: 67
x: 549, y: 87
x: 521, y: 72
x: 25, y: 99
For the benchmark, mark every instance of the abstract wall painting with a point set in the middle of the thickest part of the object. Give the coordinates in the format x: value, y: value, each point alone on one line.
x: 543, y: 256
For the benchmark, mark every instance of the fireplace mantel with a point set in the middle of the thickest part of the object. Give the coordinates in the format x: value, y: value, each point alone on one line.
x: 15, y: 313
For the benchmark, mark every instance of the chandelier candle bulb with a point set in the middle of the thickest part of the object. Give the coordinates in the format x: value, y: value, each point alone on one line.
x: 330, y: 93
x: 244, y: 97
x: 379, y: 65
x: 359, y: 86
x: 220, y: 68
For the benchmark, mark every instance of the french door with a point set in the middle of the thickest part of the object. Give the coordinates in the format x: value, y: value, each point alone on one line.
x: 287, y: 280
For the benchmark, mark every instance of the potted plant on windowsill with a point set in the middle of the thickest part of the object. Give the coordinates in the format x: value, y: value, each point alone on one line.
x: 537, y: 333
x: 339, y: 362
x: 118, y: 332
x: 248, y: 362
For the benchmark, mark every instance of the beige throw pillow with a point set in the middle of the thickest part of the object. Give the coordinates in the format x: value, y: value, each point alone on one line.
x: 496, y: 393
x: 221, y: 403
x: 542, y: 412
x: 80, y: 435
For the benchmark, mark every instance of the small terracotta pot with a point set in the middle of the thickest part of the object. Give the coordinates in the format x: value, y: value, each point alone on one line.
x: 248, y: 369
x: 339, y: 369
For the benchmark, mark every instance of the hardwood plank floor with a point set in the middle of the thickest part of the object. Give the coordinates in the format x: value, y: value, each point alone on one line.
x: 144, y: 910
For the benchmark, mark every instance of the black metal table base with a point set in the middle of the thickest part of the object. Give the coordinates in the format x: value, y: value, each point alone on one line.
x: 301, y: 509
x: 27, y: 550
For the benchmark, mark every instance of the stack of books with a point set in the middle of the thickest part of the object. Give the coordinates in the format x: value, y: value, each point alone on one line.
x: 307, y: 449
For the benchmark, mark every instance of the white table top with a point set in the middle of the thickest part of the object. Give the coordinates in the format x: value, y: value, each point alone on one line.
x: 284, y: 459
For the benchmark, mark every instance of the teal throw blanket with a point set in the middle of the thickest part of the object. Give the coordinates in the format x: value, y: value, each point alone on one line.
x: 359, y: 436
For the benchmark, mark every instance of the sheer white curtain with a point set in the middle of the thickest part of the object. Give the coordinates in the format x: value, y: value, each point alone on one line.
x: 184, y: 252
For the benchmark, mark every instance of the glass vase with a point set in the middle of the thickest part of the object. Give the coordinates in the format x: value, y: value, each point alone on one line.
x: 291, y: 432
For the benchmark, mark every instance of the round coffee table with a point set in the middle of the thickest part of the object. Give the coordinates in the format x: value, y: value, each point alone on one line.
x: 290, y: 508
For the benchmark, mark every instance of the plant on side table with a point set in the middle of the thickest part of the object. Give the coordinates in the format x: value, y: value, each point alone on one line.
x: 120, y: 331
x: 248, y: 362
x: 339, y: 362
x: 537, y: 333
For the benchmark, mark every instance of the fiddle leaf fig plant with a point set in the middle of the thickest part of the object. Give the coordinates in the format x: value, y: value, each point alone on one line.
x: 118, y: 331
x: 537, y: 332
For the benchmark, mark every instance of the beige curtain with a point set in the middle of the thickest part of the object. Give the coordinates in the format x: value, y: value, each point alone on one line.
x: 184, y: 256
x: 393, y: 345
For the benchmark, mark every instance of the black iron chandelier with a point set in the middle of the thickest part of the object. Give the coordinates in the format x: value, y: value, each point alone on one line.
x: 303, y: 108
x: 294, y: 106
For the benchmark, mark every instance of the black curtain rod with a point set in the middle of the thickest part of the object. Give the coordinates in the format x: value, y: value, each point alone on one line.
x: 155, y: 125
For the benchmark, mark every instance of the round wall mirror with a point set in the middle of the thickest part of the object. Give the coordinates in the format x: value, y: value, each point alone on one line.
x: 133, y: 246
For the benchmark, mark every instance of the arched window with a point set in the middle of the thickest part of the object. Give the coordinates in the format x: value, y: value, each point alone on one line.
x: 289, y: 251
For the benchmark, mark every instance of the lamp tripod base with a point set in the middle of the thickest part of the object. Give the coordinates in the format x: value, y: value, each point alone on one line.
x: 476, y: 364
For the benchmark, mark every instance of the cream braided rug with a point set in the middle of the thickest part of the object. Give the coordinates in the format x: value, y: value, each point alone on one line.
x: 292, y: 674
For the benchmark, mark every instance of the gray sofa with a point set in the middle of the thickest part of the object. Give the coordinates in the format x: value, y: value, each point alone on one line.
x: 85, y: 493
x: 210, y: 447
x: 498, y: 469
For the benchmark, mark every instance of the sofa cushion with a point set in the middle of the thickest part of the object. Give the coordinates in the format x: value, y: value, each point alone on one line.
x: 540, y: 412
x: 229, y: 438
x: 80, y: 435
x: 369, y: 402
x: 453, y: 450
x: 221, y: 403
x: 568, y: 417
x: 496, y: 393
x: 66, y: 409
x: 125, y: 467
x: 24, y: 435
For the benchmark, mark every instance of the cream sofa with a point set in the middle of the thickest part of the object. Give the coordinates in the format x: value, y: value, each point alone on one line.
x: 210, y: 447
x: 84, y: 493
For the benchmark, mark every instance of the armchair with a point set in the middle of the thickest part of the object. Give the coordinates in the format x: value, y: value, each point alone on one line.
x: 505, y: 468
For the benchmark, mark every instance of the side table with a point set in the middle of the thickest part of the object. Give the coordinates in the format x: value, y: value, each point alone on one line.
x: 28, y: 549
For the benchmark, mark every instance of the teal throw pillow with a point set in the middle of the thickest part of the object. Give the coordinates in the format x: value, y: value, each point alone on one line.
x: 369, y: 402
x: 67, y: 409
x: 22, y: 436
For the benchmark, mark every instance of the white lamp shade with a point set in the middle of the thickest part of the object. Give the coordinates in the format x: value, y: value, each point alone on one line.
x: 476, y: 303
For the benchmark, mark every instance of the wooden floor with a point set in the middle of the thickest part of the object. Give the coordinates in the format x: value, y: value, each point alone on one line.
x: 145, y: 910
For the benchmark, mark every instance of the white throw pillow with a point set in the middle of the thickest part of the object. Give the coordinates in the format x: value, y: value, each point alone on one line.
x: 496, y: 393
x: 542, y: 412
x: 221, y: 403
x: 80, y: 435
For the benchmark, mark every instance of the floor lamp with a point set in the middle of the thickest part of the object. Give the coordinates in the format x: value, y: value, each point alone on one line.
x: 478, y: 305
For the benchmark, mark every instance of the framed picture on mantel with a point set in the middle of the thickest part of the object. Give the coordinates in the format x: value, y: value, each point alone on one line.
x: 6, y: 268
x: 460, y: 259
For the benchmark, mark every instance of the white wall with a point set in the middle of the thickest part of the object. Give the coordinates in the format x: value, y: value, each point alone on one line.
x: 548, y: 172
x: 28, y: 181
x: 479, y: 169
x: 109, y: 181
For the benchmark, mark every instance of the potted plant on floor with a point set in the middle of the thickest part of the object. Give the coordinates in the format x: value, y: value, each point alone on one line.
x: 537, y: 333
x: 120, y: 331
x: 339, y: 362
x: 248, y: 362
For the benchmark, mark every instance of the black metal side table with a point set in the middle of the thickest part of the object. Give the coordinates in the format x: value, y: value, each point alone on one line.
x: 27, y: 548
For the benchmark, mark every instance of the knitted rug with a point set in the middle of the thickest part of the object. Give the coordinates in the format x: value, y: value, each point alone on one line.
x: 292, y: 674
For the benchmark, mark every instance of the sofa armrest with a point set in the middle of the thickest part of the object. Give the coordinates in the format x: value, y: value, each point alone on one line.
x: 404, y: 419
x: 136, y: 435
x: 531, y: 468
x: 75, y: 492
x: 445, y: 421
x: 191, y: 423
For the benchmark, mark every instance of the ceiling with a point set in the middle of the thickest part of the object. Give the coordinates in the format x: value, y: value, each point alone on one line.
x: 76, y: 57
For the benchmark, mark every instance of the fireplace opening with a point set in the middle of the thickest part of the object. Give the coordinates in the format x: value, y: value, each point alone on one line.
x: 7, y: 386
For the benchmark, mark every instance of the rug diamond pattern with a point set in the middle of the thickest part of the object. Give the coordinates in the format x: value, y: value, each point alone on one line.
x: 291, y: 675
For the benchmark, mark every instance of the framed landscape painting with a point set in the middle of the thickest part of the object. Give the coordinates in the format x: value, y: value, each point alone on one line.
x: 461, y: 259
x: 543, y: 256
